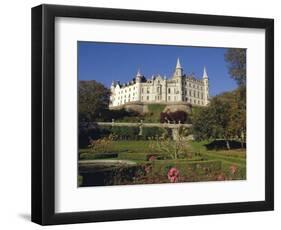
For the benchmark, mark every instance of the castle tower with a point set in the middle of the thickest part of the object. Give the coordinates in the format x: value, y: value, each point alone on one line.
x: 112, y: 95
x: 206, y: 86
x: 139, y: 77
x: 178, y: 74
x: 179, y: 70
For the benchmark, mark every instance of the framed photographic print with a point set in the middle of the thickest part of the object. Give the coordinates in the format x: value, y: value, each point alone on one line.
x: 142, y: 114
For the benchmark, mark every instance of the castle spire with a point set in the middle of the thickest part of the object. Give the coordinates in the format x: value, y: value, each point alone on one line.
x: 138, y: 73
x: 178, y: 66
x: 205, y: 75
x: 178, y: 71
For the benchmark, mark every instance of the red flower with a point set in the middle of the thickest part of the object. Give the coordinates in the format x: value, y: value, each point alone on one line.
x: 173, y: 175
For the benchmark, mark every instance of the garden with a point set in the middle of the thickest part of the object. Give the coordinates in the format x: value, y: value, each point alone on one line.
x: 120, y: 156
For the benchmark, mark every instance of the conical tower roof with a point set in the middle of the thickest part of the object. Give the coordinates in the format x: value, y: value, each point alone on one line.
x: 178, y: 66
x: 139, y: 73
x: 205, y: 75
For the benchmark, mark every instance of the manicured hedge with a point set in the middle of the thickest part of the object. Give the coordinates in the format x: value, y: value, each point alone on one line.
x: 240, y: 173
x: 110, y: 175
x: 125, y: 132
x: 89, y: 155
x: 152, y: 132
x: 186, y: 167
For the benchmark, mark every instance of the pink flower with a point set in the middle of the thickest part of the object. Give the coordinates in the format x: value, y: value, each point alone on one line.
x: 173, y: 175
x: 233, y: 169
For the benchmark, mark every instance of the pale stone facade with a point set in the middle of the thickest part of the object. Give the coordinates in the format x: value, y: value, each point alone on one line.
x: 180, y: 88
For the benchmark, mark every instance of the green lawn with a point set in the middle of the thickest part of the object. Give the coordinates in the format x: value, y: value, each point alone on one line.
x: 141, y: 148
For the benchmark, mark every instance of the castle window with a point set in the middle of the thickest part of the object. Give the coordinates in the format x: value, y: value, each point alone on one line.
x: 189, y: 92
x: 147, y: 90
x: 189, y: 85
x: 198, y: 94
x: 169, y: 90
x: 201, y: 87
x: 201, y: 95
x: 169, y: 98
x: 142, y: 90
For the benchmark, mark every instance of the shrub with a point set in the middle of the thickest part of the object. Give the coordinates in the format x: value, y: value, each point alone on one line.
x: 100, y: 176
x: 125, y: 132
x: 152, y: 132
x: 89, y: 133
x: 176, y: 117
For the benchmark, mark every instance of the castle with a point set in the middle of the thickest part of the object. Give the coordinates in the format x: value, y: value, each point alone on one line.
x: 179, y: 89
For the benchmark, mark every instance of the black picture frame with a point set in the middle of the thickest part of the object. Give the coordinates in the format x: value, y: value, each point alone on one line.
x: 43, y: 110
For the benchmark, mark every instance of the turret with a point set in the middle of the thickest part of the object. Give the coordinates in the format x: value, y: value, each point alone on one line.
x: 112, y: 85
x: 178, y: 70
x: 205, y: 75
x: 138, y: 76
x: 206, y: 86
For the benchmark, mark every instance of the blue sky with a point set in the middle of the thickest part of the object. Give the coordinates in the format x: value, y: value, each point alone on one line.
x: 105, y: 62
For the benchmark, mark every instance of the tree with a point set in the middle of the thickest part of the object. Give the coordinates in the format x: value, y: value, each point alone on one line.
x: 93, y: 100
x: 176, y: 117
x: 225, y: 118
x: 237, y: 64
